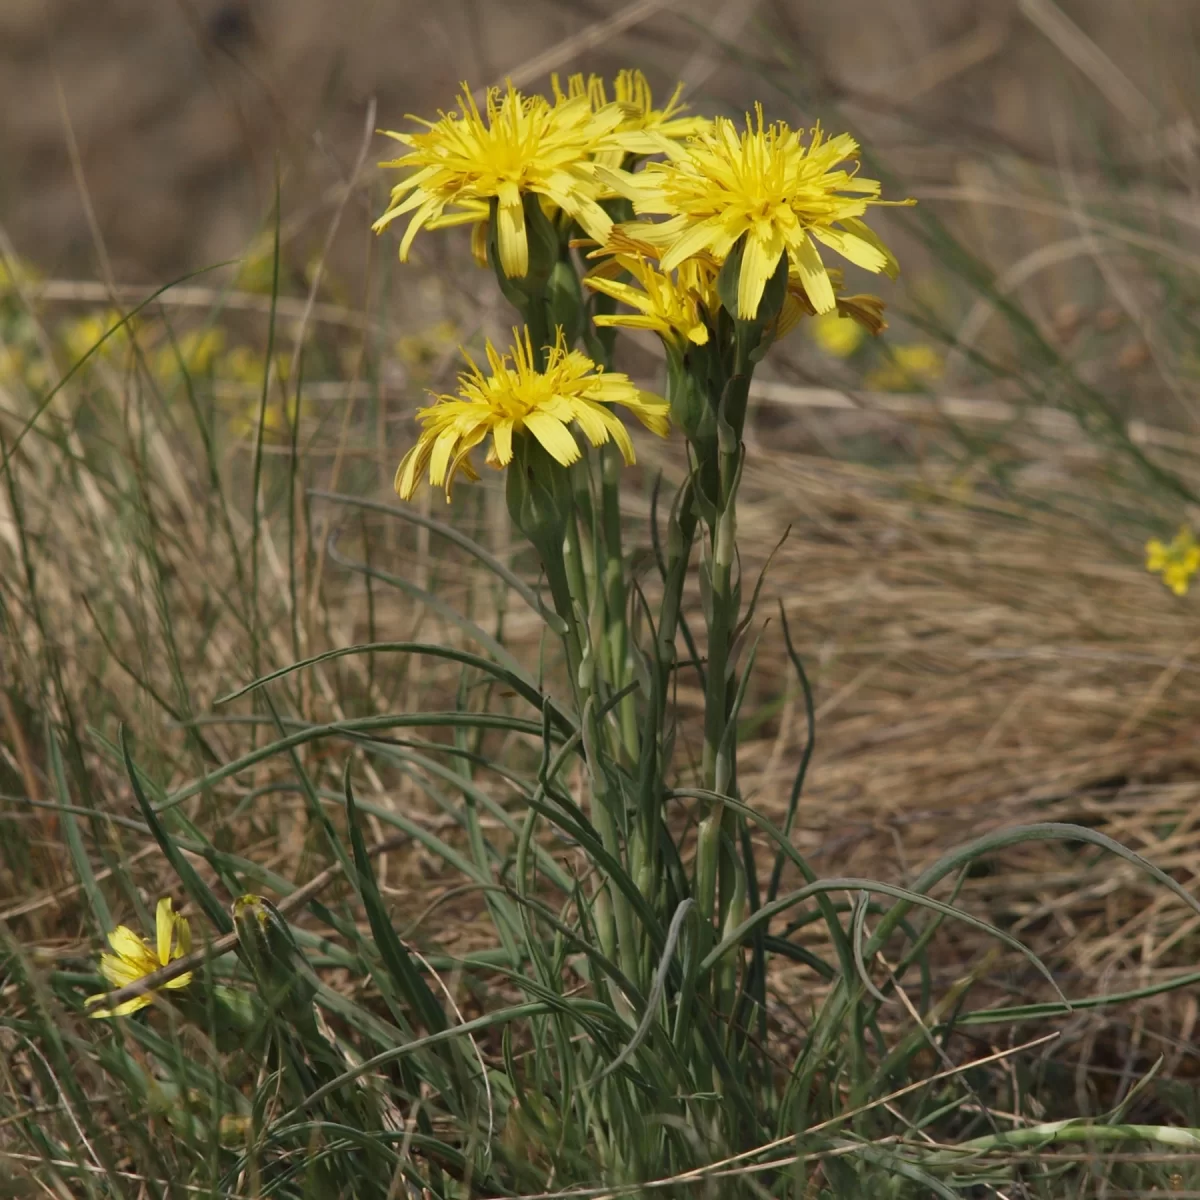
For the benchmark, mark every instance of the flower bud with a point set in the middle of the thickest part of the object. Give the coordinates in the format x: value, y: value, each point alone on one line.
x: 267, y: 947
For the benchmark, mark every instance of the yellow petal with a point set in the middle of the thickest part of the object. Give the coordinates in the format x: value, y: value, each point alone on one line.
x: 759, y: 261
x: 554, y: 437
x: 164, y: 927
x: 510, y: 233
x: 502, y: 436
x: 813, y: 277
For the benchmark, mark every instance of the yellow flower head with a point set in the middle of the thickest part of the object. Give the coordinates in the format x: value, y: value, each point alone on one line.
x: 197, y: 350
x: 643, y: 129
x: 133, y: 958
x: 83, y: 333
x: 765, y: 185
x: 1176, y: 562
x: 675, y: 305
x: 838, y: 336
x: 518, y: 145
x: 912, y: 368
x: 517, y: 397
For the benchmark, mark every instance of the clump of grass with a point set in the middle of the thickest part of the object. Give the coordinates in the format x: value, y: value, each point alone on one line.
x: 631, y: 979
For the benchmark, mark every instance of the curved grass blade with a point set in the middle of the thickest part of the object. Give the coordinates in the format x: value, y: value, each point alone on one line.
x: 764, y: 914
x: 392, y: 950
x: 431, y: 600
x: 657, y: 988
x: 195, y: 887
x: 518, y: 682
x: 472, y: 547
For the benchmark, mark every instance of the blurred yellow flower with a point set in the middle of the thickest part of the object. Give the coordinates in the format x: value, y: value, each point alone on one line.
x: 83, y: 333
x: 198, y: 350
x: 838, y: 336
x: 12, y: 363
x: 277, y: 420
x: 256, y: 271
x: 517, y: 397
x: 15, y: 271
x: 421, y: 349
x: 1176, y: 562
x: 911, y: 368
x: 766, y: 186
x: 519, y: 145
x: 133, y: 958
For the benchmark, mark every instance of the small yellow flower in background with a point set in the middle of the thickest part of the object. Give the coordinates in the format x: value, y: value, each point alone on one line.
x: 518, y: 145
x: 198, y: 350
x: 256, y: 272
x: 81, y: 334
x: 244, y: 367
x: 12, y: 363
x: 133, y: 958
x: 838, y: 336
x: 766, y: 185
x: 15, y: 271
x: 1176, y: 562
x: 911, y: 369
x: 516, y: 397
x: 420, y: 349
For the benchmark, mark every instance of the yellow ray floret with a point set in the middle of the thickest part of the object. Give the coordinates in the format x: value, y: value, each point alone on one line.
x: 763, y: 184
x: 133, y: 958
x: 517, y: 145
x: 516, y: 397
x: 1176, y: 561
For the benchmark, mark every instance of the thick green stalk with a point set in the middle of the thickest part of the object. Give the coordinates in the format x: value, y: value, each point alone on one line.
x: 605, y: 804
x: 617, y: 632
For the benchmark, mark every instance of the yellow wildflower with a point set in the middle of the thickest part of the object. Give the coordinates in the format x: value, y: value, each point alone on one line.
x: 912, y: 367
x: 133, y: 958
x: 256, y: 272
x: 1176, y: 562
x: 766, y: 186
x: 197, y: 349
x: 82, y: 334
x: 838, y: 336
x: 674, y: 305
x: 519, y: 145
x: 644, y: 129
x: 517, y: 397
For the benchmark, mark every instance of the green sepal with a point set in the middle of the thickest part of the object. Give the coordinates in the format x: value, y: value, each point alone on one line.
x: 539, y: 494
x: 544, y: 254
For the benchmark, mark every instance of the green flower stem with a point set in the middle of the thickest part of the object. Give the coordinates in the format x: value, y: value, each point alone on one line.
x: 605, y: 802
x: 617, y: 633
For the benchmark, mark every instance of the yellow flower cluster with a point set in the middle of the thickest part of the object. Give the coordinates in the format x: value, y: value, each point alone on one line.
x: 1177, y: 561
x: 748, y: 197
x: 912, y: 368
x: 470, y: 161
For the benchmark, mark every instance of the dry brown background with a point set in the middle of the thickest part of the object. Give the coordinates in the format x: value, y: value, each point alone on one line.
x: 179, y: 107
